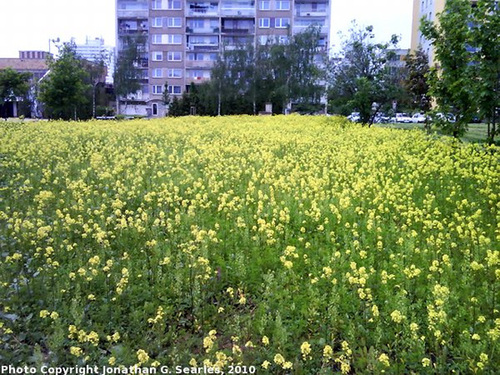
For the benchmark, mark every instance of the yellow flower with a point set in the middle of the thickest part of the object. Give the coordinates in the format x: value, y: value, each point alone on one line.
x: 44, y: 313
x: 142, y: 356
x: 112, y: 361
x: 287, y: 365
x: 76, y: 351
x: 279, y: 359
x: 384, y: 359
x: 327, y: 352
x: 305, y: 349
x: 397, y: 317
x: 426, y: 362
x: 265, y: 364
x: 265, y: 340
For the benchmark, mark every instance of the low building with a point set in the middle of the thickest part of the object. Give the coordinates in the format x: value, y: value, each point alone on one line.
x: 35, y: 63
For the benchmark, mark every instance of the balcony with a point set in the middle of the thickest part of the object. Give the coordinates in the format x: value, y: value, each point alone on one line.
x: 201, y: 10
x: 130, y: 13
x: 202, y: 30
x: 199, y: 64
x: 310, y: 13
x: 202, y: 47
x: 238, y: 12
x: 232, y: 30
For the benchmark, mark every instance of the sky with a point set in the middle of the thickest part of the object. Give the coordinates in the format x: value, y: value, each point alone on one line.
x: 31, y: 24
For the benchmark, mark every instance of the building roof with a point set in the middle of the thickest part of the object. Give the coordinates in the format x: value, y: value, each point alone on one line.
x: 27, y: 65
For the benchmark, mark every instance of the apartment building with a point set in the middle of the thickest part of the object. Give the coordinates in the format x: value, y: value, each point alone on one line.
x: 96, y: 50
x: 184, y: 37
x: 428, y: 9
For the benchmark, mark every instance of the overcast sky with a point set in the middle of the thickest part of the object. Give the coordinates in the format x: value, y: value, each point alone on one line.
x: 30, y: 24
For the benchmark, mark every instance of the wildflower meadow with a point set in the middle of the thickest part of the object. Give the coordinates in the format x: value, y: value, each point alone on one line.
x: 280, y: 245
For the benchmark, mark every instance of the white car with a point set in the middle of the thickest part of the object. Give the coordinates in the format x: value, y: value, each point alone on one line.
x: 401, y: 117
x: 354, y: 117
x: 418, y: 117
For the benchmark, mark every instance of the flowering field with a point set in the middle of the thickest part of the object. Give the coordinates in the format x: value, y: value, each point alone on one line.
x: 304, y: 245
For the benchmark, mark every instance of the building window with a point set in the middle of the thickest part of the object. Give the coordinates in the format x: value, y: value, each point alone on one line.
x: 282, y: 23
x: 264, y: 23
x: 174, y: 56
x: 155, y: 109
x: 157, y: 38
x: 174, y: 4
x: 282, y: 5
x: 157, y: 89
x: 157, y: 73
x: 174, y: 89
x: 265, y: 5
x: 157, y: 4
x: 158, y: 22
x: 157, y: 56
x: 175, y: 73
x: 174, y: 39
x: 175, y: 22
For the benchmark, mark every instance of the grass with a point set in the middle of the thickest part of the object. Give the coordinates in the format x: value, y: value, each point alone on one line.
x: 477, y: 133
x: 286, y: 244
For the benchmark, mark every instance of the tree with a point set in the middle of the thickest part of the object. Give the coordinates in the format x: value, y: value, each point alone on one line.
x: 128, y: 73
x: 416, y: 85
x: 13, y: 85
x: 280, y: 72
x: 417, y: 69
x: 306, y: 75
x: 362, y: 78
x: 485, y: 34
x: 65, y: 91
x: 451, y: 81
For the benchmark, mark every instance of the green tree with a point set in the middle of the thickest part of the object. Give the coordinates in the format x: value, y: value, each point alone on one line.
x: 128, y: 72
x: 362, y: 78
x: 307, y: 60
x: 283, y: 73
x: 451, y: 80
x: 65, y: 91
x: 417, y: 69
x: 485, y: 33
x: 13, y: 85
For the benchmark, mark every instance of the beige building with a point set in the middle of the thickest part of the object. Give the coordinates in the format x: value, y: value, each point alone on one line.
x: 428, y: 9
x: 424, y: 9
x: 184, y: 37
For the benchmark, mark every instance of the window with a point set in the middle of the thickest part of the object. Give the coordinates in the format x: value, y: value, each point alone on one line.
x: 174, y: 4
x: 174, y: 56
x: 174, y: 89
x: 157, y: 73
x: 282, y: 23
x: 174, y: 22
x: 157, y: 38
x: 157, y: 56
x: 155, y: 109
x: 264, y: 23
x: 167, y: 38
x: 265, y: 5
x: 157, y: 4
x: 157, y: 89
x: 175, y: 73
x: 283, y: 5
x: 158, y: 22
x: 174, y: 39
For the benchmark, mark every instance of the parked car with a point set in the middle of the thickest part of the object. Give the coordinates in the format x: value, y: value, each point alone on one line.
x: 402, y: 117
x: 354, y: 117
x: 419, y: 118
x: 381, y: 118
x: 448, y: 117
